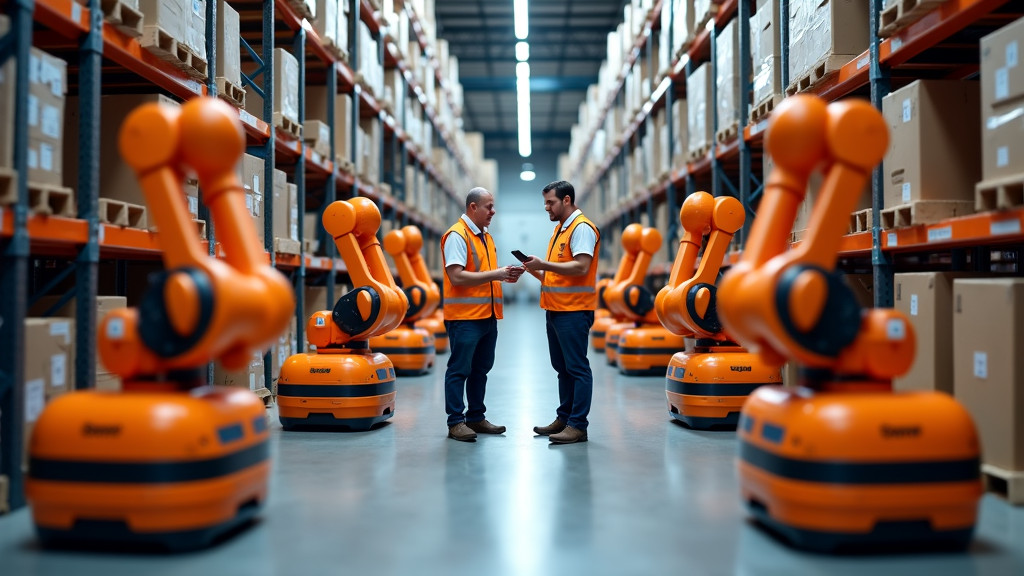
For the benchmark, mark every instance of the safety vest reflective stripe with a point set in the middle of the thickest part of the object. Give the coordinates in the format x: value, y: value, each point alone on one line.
x: 472, y: 250
x: 470, y: 300
x: 568, y: 289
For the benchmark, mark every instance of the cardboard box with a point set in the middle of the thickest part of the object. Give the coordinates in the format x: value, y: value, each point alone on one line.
x: 326, y: 22
x: 5, y: 488
x: 927, y: 299
x: 281, y: 209
x: 46, y: 98
x: 727, y: 74
x: 284, y: 348
x: 293, y: 212
x: 286, y: 91
x: 699, y: 125
x: 316, y: 108
x: 820, y: 30
x: 171, y: 16
x: 933, y: 149
x: 1002, y: 102
x: 195, y: 29
x: 69, y: 310
x: 317, y: 135
x: 251, y: 378
x: 765, y: 52
x: 252, y: 175
x: 229, y: 48
x: 49, y: 367
x: 988, y: 350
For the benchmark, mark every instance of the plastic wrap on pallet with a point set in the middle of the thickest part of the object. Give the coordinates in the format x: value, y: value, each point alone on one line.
x: 682, y: 24
x: 727, y: 74
x: 286, y: 80
x: 698, y: 92
x: 680, y: 132
x: 229, y: 47
x: 764, y: 51
x: 168, y: 15
x: 701, y: 13
x: 195, y: 28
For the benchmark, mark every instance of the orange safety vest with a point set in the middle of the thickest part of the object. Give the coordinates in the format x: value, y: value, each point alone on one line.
x: 472, y: 302
x: 561, y: 293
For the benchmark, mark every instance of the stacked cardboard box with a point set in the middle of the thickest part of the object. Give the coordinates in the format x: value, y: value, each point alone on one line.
x: 823, y: 36
x: 46, y: 98
x: 1002, y: 103
x: 251, y: 173
x: 316, y: 108
x: 727, y: 80
x: 229, y: 55
x: 49, y: 367
x: 105, y: 380
x: 286, y: 94
x: 699, y: 125
x: 766, y: 55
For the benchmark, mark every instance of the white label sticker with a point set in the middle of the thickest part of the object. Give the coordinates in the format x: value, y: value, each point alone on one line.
x: 193, y: 205
x: 320, y: 321
x: 252, y: 381
x: 892, y: 239
x: 913, y: 304
x: 1004, y: 227
x: 33, y: 110
x: 115, y: 329
x: 981, y: 365
x: 1011, y: 54
x: 59, y: 370
x: 897, y: 43
x: 906, y: 191
x: 61, y: 329
x: 34, y: 69
x: 51, y: 122
x: 76, y: 12
x: 940, y: 234
x: 35, y: 399
x: 908, y: 110
x: 1002, y: 83
x: 863, y: 62
x: 895, y: 329
x: 33, y: 158
x: 46, y: 157
x: 256, y: 183
x: 54, y: 78
x: 1002, y: 156
x: 103, y: 234
x: 197, y: 7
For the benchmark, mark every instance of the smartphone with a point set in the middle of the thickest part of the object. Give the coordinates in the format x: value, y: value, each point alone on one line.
x: 520, y: 256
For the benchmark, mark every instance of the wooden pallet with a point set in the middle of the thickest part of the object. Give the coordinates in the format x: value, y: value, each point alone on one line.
x: 727, y: 134
x: 200, y: 228
x: 339, y: 52
x: 287, y: 246
x: 345, y: 165
x: 8, y: 186
x: 1007, y: 483
x: 902, y: 14
x: 288, y: 125
x: 51, y: 200
x: 301, y: 9
x: 698, y: 154
x: 861, y: 221
x: 123, y: 214
x: 762, y: 110
x: 797, y: 235
x: 999, y: 193
x: 924, y: 212
x: 164, y: 46
x: 231, y: 92
x: 125, y: 18
x: 822, y: 70
x: 196, y: 65
x: 701, y: 20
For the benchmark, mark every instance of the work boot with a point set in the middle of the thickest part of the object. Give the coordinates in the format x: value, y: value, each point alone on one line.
x: 569, y: 436
x: 485, y: 427
x: 461, y: 432
x: 553, y: 428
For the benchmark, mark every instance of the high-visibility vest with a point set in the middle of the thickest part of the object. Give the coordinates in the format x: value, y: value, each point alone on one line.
x: 472, y: 302
x: 561, y: 293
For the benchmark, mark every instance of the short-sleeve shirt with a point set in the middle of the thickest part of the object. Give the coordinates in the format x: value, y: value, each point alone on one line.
x: 455, y: 249
x: 583, y: 240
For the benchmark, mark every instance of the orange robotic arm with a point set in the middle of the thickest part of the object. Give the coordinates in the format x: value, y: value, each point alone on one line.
x: 632, y: 300
x: 375, y: 305
x: 630, y: 247
x: 404, y: 246
x: 793, y: 304
x: 699, y: 310
x: 200, y: 309
x: 695, y: 217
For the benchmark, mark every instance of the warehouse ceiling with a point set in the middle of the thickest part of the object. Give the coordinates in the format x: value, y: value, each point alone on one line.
x: 568, y: 42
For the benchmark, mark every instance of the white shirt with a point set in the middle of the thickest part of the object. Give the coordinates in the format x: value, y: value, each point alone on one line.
x: 456, y: 251
x: 583, y: 240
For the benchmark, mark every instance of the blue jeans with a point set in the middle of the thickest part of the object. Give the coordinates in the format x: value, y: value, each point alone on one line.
x: 471, y: 355
x: 567, y: 344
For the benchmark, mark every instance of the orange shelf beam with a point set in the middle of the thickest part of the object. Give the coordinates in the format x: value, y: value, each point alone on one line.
x: 935, y: 26
x: 985, y: 228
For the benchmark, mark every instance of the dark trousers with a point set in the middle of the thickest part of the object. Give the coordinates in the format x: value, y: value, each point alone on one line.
x: 471, y: 355
x: 568, y: 333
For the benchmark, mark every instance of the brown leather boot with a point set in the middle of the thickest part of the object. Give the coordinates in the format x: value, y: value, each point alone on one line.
x: 569, y: 436
x: 485, y: 427
x: 553, y: 428
x: 461, y: 432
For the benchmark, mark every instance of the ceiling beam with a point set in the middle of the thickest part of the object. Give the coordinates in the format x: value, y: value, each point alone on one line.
x: 498, y: 134
x: 537, y: 84
x: 508, y: 30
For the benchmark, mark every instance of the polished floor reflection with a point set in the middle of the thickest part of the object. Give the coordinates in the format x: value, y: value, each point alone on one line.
x: 643, y: 496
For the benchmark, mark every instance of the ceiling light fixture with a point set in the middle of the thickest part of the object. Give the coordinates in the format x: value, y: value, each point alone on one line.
x: 523, y: 108
x: 522, y: 51
x: 521, y: 9
x: 527, y: 175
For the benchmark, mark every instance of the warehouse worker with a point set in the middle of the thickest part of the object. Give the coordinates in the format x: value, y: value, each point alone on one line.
x: 569, y: 295
x: 472, y: 308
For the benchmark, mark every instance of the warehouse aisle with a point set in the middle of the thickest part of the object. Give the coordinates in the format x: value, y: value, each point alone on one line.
x: 644, y: 496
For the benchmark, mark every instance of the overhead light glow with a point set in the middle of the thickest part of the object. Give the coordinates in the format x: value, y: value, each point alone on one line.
x: 522, y: 24
x: 522, y: 70
x: 527, y: 175
x: 523, y: 110
x: 522, y: 51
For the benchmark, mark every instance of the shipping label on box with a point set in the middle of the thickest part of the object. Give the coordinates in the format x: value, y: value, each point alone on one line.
x: 927, y: 300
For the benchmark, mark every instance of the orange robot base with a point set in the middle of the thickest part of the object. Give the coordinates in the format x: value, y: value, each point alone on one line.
x: 847, y: 471
x: 599, y: 330
x: 611, y: 341
x: 410, y: 349
x: 646, y: 350
x: 435, y: 326
x: 707, y: 386
x: 167, y: 470
x: 341, y: 388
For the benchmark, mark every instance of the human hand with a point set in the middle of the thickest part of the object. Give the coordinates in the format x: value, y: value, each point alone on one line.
x: 533, y: 263
x: 512, y: 273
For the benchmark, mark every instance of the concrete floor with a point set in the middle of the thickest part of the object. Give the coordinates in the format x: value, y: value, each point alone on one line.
x: 644, y: 496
